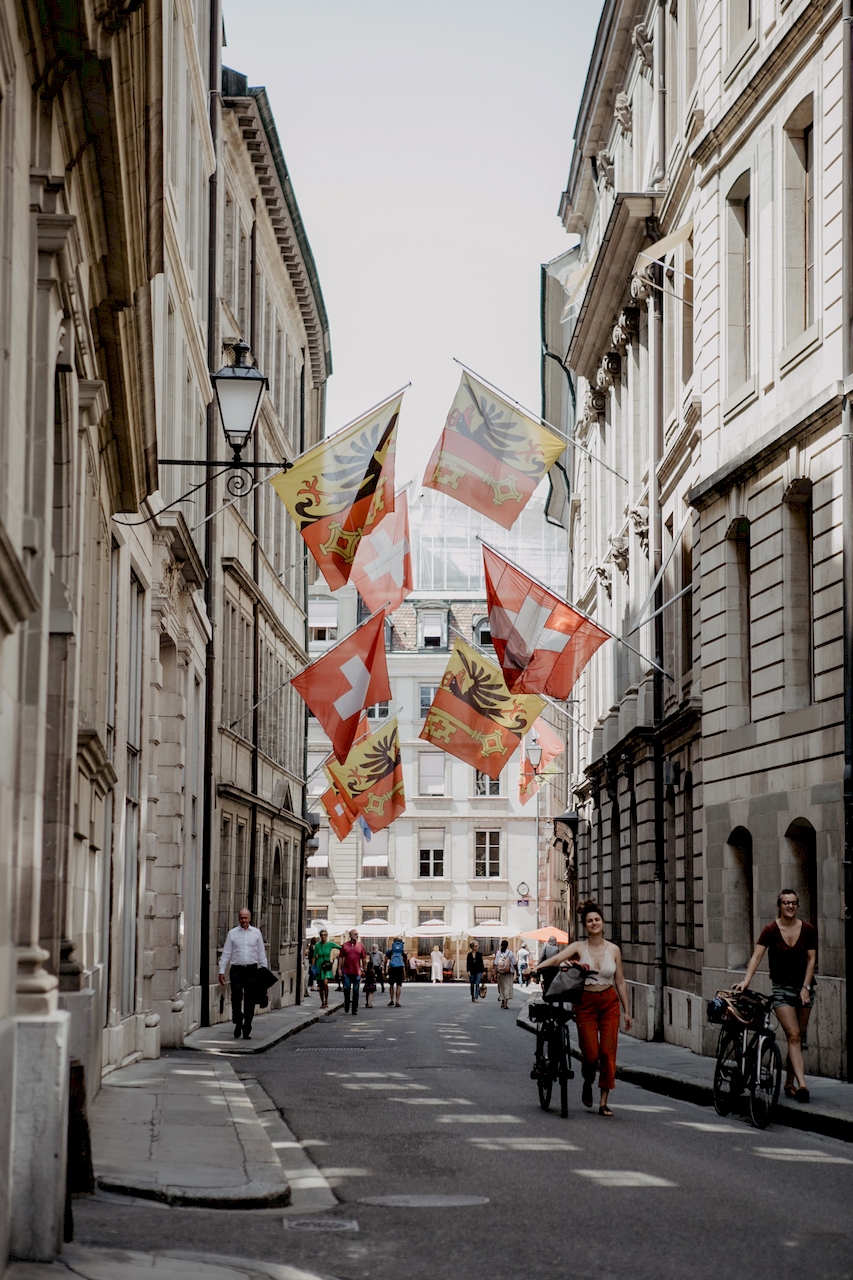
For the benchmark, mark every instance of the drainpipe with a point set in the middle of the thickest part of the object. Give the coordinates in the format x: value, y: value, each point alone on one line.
x: 847, y: 492
x: 253, y: 892
x: 655, y: 543
x: 206, y: 943
x: 303, y: 851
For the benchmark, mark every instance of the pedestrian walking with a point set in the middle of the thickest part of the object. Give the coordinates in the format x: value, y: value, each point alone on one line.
x: 244, y: 951
x: 522, y: 957
x: 791, y: 944
x: 325, y: 961
x: 413, y: 967
x: 396, y: 957
x: 378, y: 961
x: 476, y: 968
x: 505, y: 965
x: 437, y: 963
x: 351, y: 963
x: 312, y: 968
x: 369, y: 984
x: 597, y: 1014
x: 550, y: 949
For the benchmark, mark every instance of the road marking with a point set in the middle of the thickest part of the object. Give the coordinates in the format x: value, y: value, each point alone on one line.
x: 623, y: 1178
x: 624, y: 1106
x: 390, y: 1084
x: 523, y: 1144
x: 807, y: 1157
x: 706, y: 1128
x: 478, y: 1120
x: 434, y: 1102
x: 460, y: 1050
x: 425, y: 1202
x: 345, y: 1171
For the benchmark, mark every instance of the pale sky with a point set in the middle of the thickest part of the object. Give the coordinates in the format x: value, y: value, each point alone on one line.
x: 428, y: 144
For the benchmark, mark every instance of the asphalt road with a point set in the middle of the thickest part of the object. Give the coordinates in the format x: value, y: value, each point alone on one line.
x: 435, y: 1098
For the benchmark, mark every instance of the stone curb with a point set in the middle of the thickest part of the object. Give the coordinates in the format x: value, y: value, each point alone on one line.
x: 242, y: 1048
x: 671, y: 1085
x: 251, y: 1195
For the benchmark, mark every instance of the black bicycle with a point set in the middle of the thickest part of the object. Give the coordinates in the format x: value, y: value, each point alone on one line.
x: 553, y: 1062
x: 748, y: 1057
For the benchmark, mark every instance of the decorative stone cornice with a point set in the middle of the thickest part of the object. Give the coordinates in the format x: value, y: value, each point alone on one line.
x: 639, y: 517
x: 641, y: 39
x: 642, y: 286
x: 609, y: 370
x: 606, y: 168
x: 594, y: 405
x: 626, y: 327
x: 619, y: 552
x: 605, y: 576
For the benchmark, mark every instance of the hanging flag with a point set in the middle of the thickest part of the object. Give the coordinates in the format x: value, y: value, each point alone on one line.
x: 531, y: 780
x: 542, y: 643
x: 341, y: 489
x: 372, y: 777
x: 491, y: 456
x: 351, y: 676
x: 473, y: 714
x: 341, y: 816
x: 382, y: 571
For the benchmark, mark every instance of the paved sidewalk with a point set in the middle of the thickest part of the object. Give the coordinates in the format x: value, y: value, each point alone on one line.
x: 678, y: 1073
x: 184, y: 1133
x: 267, y: 1028
x: 118, y: 1264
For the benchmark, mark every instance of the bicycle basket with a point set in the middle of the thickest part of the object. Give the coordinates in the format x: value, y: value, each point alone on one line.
x: 717, y: 1009
x: 744, y: 1007
x: 538, y: 1011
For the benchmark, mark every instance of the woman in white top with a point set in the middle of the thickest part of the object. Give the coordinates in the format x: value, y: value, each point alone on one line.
x: 438, y: 962
x: 597, y: 1014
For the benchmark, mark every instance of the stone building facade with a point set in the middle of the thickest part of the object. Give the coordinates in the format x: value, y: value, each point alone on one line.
x: 465, y: 850
x: 702, y: 328
x: 108, y: 144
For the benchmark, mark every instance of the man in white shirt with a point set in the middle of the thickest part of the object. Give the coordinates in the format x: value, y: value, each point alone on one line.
x: 244, y: 949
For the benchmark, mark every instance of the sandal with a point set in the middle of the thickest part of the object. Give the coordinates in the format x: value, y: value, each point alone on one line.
x: 790, y: 1091
x: 586, y: 1093
x: 802, y: 1094
x: 605, y: 1111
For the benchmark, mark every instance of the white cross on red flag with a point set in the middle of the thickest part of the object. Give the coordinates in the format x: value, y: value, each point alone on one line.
x: 542, y: 643
x: 339, y: 685
x: 382, y: 570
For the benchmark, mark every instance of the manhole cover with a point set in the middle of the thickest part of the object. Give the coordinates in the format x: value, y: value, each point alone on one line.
x: 331, y: 1048
x: 425, y: 1202
x: 319, y: 1224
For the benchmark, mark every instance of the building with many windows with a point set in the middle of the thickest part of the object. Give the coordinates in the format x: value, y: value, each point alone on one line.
x: 699, y: 322
x: 465, y: 850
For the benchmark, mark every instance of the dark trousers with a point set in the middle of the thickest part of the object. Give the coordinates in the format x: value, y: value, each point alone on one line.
x: 244, y: 981
x: 352, y: 983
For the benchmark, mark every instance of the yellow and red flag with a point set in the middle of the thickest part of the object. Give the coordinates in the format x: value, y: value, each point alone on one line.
x: 340, y: 684
x: 473, y: 714
x: 337, y: 805
x: 542, y: 643
x: 371, y: 778
x: 491, y: 456
x: 382, y: 572
x: 341, y: 489
x: 531, y: 780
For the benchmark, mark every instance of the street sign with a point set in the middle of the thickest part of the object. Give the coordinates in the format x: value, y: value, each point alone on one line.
x: 524, y: 902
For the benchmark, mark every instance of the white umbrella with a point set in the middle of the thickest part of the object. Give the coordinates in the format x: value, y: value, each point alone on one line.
x: 334, y: 930
x: 431, y: 929
x: 375, y: 928
x: 489, y: 929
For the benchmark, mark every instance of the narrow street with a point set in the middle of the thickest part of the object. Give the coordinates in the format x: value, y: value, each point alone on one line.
x: 435, y: 1098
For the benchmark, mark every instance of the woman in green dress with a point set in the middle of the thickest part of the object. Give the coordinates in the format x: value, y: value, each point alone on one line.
x: 325, y: 953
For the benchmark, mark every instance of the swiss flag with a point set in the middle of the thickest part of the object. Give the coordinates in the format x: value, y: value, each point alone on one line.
x: 542, y: 643
x: 350, y: 677
x: 341, y: 816
x: 382, y: 570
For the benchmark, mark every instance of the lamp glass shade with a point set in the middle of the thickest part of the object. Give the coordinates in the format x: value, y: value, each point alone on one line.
x: 534, y: 754
x: 239, y: 392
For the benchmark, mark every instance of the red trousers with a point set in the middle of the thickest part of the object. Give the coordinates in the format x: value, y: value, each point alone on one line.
x: 597, y: 1017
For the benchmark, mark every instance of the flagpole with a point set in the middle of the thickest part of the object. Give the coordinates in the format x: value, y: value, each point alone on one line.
x: 538, y: 417
x: 374, y: 409
x: 594, y: 621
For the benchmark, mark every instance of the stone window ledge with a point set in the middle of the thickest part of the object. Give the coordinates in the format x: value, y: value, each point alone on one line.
x: 739, y: 55
x: 742, y: 396
x: 798, y: 349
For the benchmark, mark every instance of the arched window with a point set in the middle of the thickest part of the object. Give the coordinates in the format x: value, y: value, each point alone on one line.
x: 738, y: 896
x: 799, y: 870
x: 483, y: 633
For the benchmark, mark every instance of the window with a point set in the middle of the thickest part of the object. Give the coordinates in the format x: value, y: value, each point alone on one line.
x: 322, y: 621
x: 431, y: 847
x: 485, y: 915
x: 428, y: 692
x: 487, y: 854
x: 686, y: 603
x: 738, y: 898
x: 483, y: 634
x: 739, y: 694
x: 135, y: 633
x: 432, y: 629
x: 799, y: 222
x: 317, y: 913
x: 739, y: 283
x: 373, y: 913
x: 317, y: 865
x: 318, y: 783
x: 798, y: 594
x: 379, y: 711
x: 374, y: 861
x: 425, y: 945
x: 430, y: 773
x: 741, y: 17
x: 484, y: 785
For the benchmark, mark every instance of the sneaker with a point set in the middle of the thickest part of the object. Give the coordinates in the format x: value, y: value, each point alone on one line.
x: 237, y: 1032
x: 247, y: 1035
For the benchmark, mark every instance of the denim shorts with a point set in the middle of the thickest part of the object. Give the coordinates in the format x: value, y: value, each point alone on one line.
x: 787, y: 995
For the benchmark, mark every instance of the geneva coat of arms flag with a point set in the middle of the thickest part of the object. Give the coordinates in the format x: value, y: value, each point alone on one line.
x: 531, y: 780
x: 341, y: 489
x: 491, y: 456
x: 542, y: 643
x: 339, y: 685
x: 382, y: 571
x: 473, y: 714
x: 371, y: 778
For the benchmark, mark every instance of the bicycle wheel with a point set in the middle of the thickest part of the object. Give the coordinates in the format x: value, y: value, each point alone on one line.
x: 764, y: 1093
x: 564, y: 1071
x: 726, y: 1073
x: 545, y: 1079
